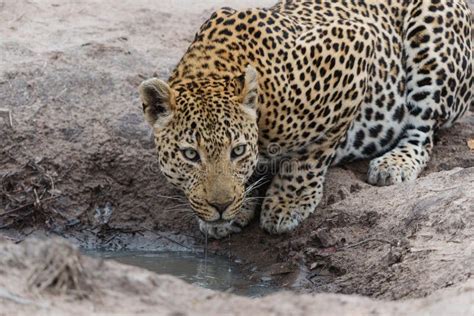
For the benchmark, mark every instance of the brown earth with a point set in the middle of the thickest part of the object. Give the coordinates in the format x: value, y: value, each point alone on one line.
x: 79, y: 163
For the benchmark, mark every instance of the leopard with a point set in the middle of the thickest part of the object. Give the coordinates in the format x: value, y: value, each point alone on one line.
x: 302, y: 86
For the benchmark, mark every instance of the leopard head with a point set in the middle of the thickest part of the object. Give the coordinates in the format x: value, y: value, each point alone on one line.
x: 206, y: 139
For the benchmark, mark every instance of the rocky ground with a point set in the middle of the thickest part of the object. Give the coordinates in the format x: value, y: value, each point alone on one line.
x: 78, y: 162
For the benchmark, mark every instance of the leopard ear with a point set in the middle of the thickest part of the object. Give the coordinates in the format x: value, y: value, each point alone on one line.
x: 158, y: 100
x: 249, y: 88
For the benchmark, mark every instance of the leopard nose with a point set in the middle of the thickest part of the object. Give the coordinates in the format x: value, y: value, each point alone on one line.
x: 221, y: 207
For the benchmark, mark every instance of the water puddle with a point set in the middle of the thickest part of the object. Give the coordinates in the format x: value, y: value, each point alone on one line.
x: 208, y: 271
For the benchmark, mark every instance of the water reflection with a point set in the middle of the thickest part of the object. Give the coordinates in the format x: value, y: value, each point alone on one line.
x: 208, y: 271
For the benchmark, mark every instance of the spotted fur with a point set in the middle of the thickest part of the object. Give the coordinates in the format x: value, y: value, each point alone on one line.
x: 324, y: 81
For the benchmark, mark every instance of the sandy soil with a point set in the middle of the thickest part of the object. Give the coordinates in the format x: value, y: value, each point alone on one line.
x: 111, y: 288
x: 79, y: 163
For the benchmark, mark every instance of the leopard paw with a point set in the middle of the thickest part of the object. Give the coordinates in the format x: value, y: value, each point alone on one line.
x: 277, y: 219
x: 385, y: 171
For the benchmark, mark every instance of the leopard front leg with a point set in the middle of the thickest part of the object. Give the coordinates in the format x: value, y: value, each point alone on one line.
x: 293, y: 195
x: 340, y: 86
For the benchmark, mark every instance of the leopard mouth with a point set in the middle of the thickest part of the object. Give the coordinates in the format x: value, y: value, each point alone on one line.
x: 219, y: 221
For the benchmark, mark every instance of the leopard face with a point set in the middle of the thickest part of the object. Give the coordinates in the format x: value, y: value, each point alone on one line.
x: 206, y: 140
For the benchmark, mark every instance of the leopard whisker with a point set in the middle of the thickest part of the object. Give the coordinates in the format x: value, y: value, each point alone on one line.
x: 178, y: 206
x: 176, y: 197
x: 179, y: 210
x: 257, y: 184
x: 254, y: 197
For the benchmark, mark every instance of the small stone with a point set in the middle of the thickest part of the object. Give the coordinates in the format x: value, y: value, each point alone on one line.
x: 470, y: 143
x: 323, y: 238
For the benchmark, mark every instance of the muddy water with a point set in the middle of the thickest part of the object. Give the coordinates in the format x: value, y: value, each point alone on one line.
x: 212, y: 272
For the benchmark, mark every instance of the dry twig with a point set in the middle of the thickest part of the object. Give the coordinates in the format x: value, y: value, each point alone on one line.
x: 7, y: 115
x: 27, y: 205
x: 370, y: 240
x: 7, y: 295
x: 61, y: 271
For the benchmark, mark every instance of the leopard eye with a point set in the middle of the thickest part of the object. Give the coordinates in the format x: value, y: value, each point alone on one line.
x: 191, y: 154
x: 238, y: 151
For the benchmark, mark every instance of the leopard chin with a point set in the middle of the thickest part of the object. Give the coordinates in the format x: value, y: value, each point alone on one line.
x: 218, y: 229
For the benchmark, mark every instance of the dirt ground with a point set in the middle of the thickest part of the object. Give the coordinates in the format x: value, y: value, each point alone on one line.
x: 40, y: 278
x: 79, y: 163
